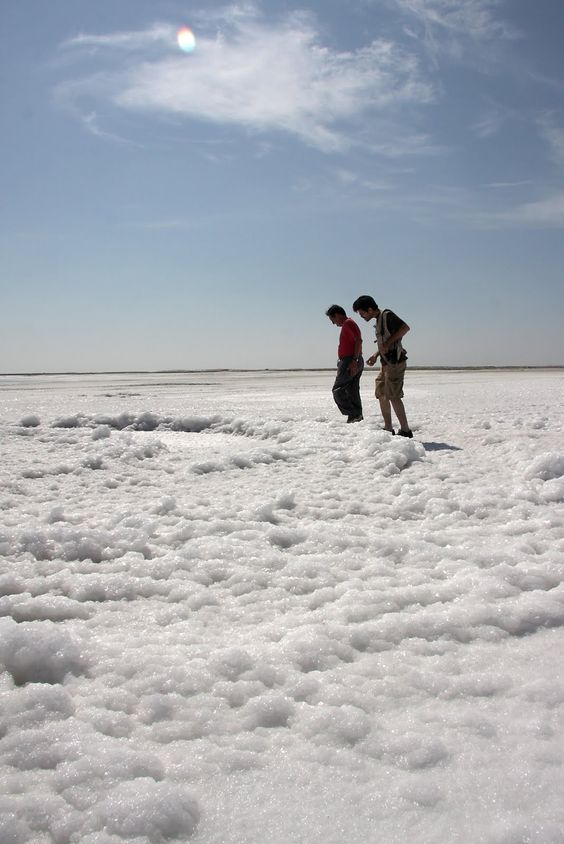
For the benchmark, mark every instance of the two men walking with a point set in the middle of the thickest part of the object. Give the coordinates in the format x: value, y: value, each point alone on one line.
x: 390, y: 330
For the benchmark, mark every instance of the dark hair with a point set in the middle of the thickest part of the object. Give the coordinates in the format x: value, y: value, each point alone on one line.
x: 364, y: 303
x: 335, y: 309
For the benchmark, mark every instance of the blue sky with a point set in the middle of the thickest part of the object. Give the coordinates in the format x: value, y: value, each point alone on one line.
x: 164, y: 209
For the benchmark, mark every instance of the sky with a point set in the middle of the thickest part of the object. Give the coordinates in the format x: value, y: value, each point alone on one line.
x: 164, y: 209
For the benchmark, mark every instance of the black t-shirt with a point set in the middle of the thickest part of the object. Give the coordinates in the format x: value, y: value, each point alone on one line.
x: 393, y: 323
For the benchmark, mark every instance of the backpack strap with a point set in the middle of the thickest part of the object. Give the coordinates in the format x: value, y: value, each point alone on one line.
x: 381, y: 326
x: 383, y: 333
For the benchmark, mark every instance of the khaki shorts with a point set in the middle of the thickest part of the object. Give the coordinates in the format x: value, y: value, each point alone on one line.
x: 389, y: 383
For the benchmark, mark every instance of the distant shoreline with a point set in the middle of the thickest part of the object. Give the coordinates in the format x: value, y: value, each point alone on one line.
x: 518, y: 368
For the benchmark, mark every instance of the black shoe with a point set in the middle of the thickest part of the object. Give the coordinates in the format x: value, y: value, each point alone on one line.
x: 405, y: 434
x: 389, y: 431
x: 355, y: 418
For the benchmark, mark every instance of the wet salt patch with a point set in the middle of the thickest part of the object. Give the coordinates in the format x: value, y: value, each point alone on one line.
x: 203, y: 442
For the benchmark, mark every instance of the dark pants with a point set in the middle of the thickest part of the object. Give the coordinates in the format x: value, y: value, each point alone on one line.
x: 346, y: 389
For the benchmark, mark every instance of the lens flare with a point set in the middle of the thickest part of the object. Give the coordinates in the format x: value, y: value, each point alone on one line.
x: 186, y: 40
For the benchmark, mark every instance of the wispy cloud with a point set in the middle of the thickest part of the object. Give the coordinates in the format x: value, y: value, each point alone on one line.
x: 261, y: 76
x: 159, y: 34
x: 491, y: 122
x: 508, y: 185
x: 544, y: 213
x: 349, y: 178
x: 553, y: 133
x: 454, y: 26
x: 164, y: 225
x: 471, y: 18
x: 91, y: 123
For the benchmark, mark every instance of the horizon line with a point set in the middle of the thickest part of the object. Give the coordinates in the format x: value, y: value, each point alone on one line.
x: 449, y: 368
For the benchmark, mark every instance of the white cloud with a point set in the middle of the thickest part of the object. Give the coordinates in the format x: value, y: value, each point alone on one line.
x: 258, y: 75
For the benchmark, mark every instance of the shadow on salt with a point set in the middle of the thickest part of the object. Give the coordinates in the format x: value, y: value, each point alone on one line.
x: 440, y: 447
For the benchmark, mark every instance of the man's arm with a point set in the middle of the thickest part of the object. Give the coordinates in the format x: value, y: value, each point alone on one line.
x: 401, y: 331
x: 393, y: 338
x: 358, y: 346
x: 353, y: 365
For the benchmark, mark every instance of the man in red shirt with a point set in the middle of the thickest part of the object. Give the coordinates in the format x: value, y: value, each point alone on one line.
x: 346, y: 389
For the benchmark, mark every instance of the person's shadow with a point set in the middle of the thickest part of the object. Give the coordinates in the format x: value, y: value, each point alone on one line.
x: 440, y: 447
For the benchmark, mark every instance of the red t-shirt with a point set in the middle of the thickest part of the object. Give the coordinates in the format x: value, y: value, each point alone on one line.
x: 349, y: 334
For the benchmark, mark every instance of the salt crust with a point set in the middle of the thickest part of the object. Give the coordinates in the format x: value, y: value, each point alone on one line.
x: 228, y: 618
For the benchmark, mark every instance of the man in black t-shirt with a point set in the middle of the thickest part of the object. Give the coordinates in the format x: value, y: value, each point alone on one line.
x: 390, y: 330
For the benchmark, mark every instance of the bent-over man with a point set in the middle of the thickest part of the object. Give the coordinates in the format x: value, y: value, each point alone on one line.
x: 346, y: 389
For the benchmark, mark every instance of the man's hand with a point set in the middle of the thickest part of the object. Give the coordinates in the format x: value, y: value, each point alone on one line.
x: 353, y: 366
x: 372, y: 359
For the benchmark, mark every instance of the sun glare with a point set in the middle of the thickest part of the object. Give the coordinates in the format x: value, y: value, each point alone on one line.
x: 186, y: 39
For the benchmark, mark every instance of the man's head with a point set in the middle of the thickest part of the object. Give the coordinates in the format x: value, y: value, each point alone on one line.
x: 336, y: 314
x: 366, y: 307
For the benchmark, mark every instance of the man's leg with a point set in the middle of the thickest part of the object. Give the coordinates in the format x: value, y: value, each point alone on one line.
x: 380, y: 392
x: 386, y: 411
x: 395, y: 391
x: 340, y: 388
x: 399, y: 410
x: 354, y: 393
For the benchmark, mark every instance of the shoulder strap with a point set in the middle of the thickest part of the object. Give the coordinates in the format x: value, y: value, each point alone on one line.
x: 382, y: 324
